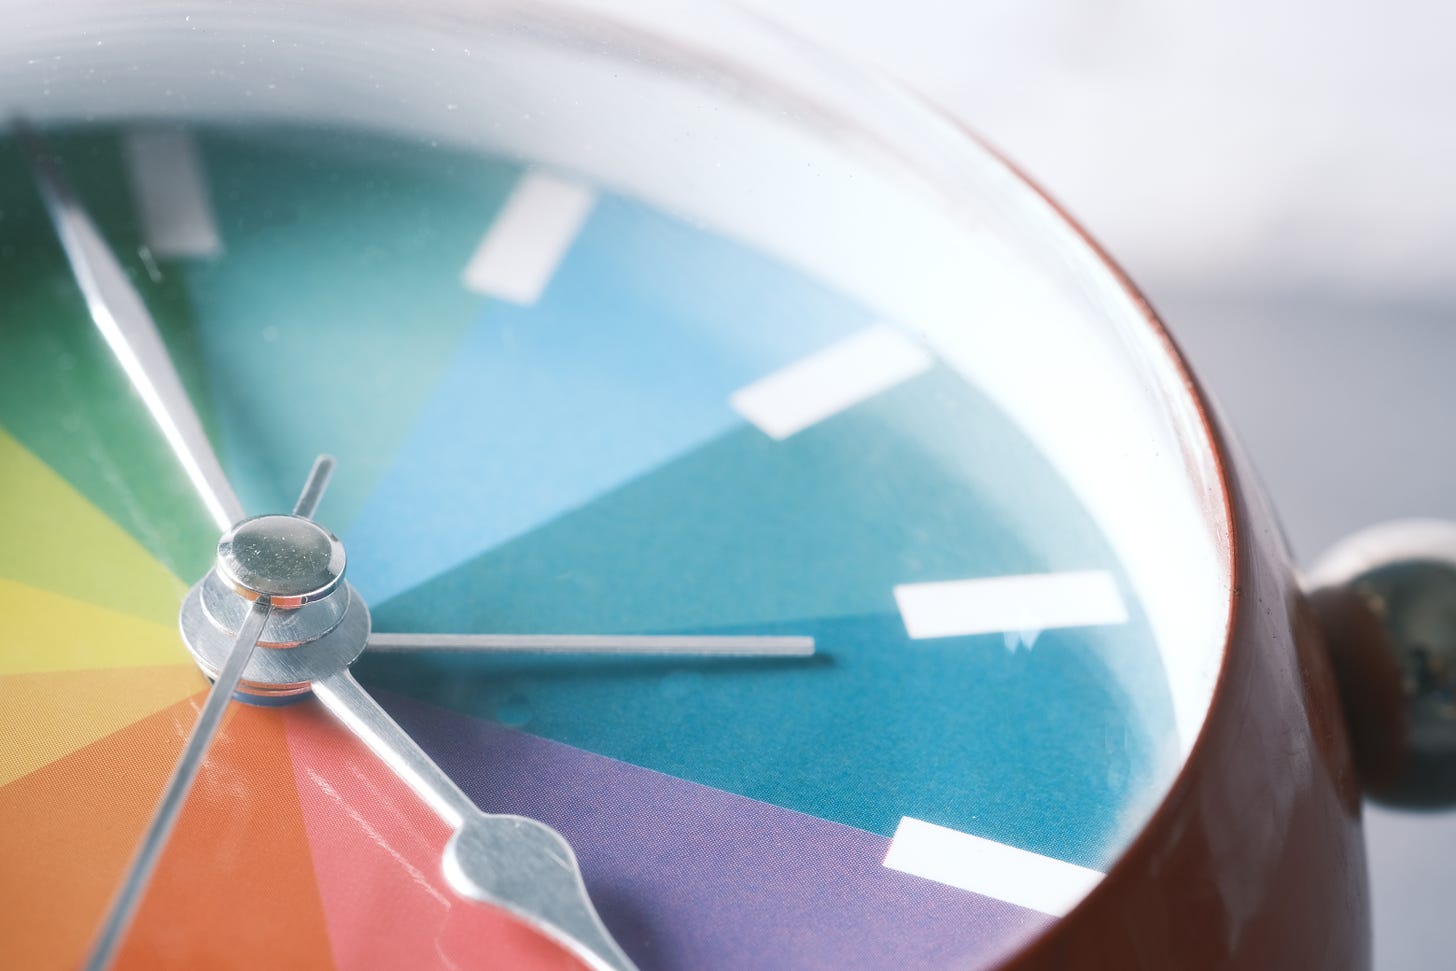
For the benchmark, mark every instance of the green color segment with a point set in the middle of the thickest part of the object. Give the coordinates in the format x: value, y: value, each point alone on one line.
x: 62, y: 393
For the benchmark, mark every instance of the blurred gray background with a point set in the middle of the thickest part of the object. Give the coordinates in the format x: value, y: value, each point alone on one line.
x: 1280, y: 178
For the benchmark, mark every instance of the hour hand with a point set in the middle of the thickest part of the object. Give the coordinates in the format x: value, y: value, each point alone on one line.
x: 518, y: 864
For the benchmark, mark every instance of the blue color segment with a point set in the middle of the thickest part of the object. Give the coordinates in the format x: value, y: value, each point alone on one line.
x: 1046, y: 748
x: 336, y: 305
x: 626, y: 362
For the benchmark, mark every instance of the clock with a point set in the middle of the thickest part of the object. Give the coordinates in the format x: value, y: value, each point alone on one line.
x: 648, y: 497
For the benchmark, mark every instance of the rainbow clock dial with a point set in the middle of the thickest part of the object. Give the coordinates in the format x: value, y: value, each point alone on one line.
x: 555, y: 409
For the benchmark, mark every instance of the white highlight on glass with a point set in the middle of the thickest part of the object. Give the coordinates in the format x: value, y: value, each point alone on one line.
x: 1024, y: 604
x: 988, y: 868
x: 829, y: 381
x: 169, y: 186
x: 519, y: 254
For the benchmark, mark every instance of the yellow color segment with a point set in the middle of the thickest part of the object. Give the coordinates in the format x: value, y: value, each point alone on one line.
x: 44, y: 717
x: 52, y: 538
x: 42, y: 631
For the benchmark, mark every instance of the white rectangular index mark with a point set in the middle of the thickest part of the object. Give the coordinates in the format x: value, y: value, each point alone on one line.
x: 1030, y: 602
x: 988, y: 868
x: 829, y: 381
x: 529, y: 238
x: 170, y: 189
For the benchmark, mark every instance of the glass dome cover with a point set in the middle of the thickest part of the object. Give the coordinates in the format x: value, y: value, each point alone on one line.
x: 656, y: 434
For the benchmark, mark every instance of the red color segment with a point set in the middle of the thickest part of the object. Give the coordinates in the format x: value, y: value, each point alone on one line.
x: 377, y: 850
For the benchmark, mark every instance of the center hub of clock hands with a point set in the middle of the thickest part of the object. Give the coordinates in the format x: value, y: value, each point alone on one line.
x: 288, y: 561
x: 318, y: 625
x: 281, y: 577
x: 274, y: 619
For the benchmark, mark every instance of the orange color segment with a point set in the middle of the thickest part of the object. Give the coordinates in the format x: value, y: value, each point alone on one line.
x: 234, y: 888
x: 377, y: 850
x: 44, y: 717
x: 68, y: 829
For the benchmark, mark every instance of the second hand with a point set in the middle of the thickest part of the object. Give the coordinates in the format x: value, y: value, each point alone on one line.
x: 128, y: 897
x: 154, y: 840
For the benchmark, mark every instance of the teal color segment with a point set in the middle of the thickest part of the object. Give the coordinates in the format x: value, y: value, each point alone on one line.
x: 629, y: 359
x: 298, y: 368
x: 1042, y: 749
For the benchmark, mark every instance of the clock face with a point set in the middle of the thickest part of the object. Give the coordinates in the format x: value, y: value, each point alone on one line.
x: 561, y: 406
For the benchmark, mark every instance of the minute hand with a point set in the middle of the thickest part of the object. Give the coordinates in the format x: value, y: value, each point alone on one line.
x: 515, y: 863
x: 122, y: 317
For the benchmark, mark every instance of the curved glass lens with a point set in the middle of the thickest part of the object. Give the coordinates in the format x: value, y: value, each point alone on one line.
x: 612, y: 334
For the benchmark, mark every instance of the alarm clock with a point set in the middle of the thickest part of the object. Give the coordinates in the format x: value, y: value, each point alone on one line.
x: 545, y: 485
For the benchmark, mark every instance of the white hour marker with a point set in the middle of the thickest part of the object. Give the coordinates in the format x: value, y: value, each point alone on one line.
x: 830, y: 381
x: 988, y: 868
x: 170, y: 189
x: 519, y: 254
x: 1024, y: 604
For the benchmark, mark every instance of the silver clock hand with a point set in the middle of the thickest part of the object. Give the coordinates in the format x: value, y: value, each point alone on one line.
x: 129, y: 896
x: 121, y: 316
x: 314, y: 486
x: 747, y: 646
x: 519, y: 864
x: 174, y: 796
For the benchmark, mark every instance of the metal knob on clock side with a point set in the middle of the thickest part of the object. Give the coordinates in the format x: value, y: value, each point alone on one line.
x: 1386, y: 598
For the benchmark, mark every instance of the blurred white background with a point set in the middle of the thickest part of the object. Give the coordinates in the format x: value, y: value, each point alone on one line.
x: 1280, y: 178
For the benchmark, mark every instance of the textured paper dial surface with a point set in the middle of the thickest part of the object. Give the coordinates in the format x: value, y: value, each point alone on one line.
x: 555, y: 410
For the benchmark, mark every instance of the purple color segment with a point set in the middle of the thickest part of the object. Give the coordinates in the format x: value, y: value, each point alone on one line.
x: 686, y: 876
